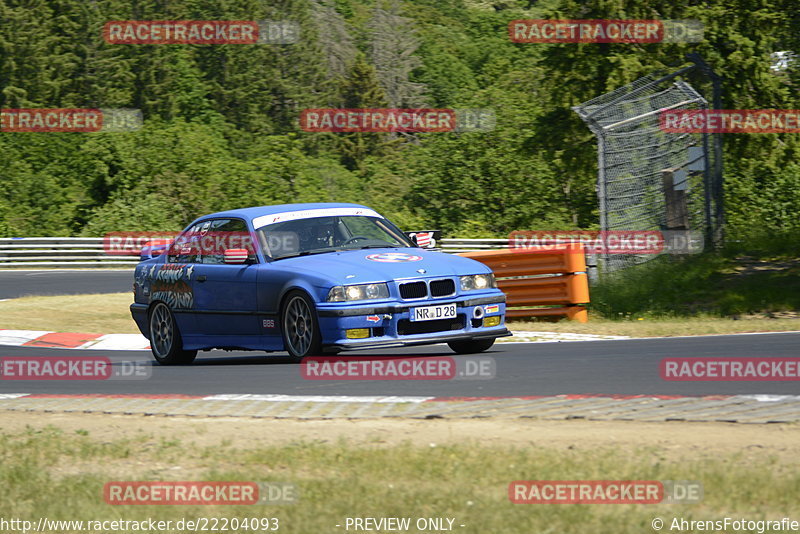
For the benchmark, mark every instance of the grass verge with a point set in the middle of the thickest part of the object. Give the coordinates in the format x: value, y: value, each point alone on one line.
x: 48, y: 472
x: 723, y: 285
x: 100, y: 314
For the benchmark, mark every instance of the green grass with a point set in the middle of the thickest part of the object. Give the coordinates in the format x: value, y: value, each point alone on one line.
x: 60, y: 476
x: 760, y: 278
x: 100, y: 314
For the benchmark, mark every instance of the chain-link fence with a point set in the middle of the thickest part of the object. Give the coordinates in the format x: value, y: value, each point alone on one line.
x: 649, y: 179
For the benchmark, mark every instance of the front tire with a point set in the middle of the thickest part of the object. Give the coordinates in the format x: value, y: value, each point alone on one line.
x: 165, y: 338
x: 300, y: 327
x: 471, y: 346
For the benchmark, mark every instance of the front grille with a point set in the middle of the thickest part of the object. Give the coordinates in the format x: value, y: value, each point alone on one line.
x: 442, y: 288
x: 407, y: 328
x: 413, y: 290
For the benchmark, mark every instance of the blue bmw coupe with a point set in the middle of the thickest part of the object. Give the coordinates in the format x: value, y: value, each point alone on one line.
x: 309, y: 279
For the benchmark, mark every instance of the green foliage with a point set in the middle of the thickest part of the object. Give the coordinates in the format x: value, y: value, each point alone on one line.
x: 767, y: 198
x: 169, y: 173
x: 221, y: 122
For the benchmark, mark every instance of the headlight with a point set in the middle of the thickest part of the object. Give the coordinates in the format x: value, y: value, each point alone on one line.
x: 477, y: 281
x: 358, y: 292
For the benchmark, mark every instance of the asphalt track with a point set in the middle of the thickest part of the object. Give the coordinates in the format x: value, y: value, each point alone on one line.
x: 20, y: 283
x: 626, y: 367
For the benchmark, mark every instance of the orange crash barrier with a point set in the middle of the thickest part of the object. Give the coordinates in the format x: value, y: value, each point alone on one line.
x: 519, y: 275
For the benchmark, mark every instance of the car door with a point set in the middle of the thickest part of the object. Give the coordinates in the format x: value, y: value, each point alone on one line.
x: 225, y: 294
x: 172, y: 281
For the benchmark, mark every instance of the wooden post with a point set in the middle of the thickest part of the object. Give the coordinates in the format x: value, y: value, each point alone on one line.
x: 677, y: 212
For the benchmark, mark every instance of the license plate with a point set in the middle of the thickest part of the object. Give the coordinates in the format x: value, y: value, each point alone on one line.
x: 431, y: 313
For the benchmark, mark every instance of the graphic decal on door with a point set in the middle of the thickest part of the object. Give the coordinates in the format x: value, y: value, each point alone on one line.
x: 172, y: 285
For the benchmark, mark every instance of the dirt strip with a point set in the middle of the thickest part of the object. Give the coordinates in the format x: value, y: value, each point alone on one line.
x: 746, y: 409
x: 673, y: 440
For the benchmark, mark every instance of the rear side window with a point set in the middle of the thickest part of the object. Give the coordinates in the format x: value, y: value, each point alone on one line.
x: 184, y: 249
x: 206, y: 242
x: 226, y: 234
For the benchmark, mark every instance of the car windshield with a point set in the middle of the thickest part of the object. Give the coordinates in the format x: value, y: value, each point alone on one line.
x: 328, y: 234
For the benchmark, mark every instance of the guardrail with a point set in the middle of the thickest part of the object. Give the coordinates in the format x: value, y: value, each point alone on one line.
x: 89, y: 251
x: 529, y: 279
x: 555, y: 282
x: 59, y: 252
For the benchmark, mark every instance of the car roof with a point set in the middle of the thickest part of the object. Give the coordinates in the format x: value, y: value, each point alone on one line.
x: 258, y: 211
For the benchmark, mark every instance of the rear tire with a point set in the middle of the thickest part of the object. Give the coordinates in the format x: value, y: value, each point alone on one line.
x: 299, y: 326
x: 165, y: 338
x: 472, y: 346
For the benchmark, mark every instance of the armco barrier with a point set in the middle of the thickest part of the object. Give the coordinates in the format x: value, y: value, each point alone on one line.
x: 59, y: 252
x: 555, y: 280
x: 89, y: 252
x: 529, y: 279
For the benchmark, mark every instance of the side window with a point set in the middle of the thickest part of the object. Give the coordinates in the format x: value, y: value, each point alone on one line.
x: 225, y: 234
x: 279, y: 240
x: 186, y: 247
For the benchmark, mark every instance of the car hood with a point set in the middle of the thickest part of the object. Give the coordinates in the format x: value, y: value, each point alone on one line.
x: 377, y: 265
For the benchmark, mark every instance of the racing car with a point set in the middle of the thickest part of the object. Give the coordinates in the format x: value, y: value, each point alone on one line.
x: 309, y: 279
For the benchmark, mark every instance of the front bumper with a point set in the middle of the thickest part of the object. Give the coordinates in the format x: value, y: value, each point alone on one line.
x: 389, y: 324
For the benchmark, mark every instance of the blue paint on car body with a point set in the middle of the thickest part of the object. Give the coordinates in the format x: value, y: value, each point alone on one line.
x: 331, y: 252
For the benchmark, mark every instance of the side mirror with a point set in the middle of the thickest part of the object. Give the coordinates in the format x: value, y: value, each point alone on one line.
x: 425, y: 238
x: 236, y: 256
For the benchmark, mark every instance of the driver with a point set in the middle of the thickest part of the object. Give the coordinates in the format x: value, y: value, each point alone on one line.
x: 317, y: 234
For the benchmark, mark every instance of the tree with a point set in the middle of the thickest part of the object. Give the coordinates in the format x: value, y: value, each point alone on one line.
x: 393, y: 44
x: 333, y: 37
